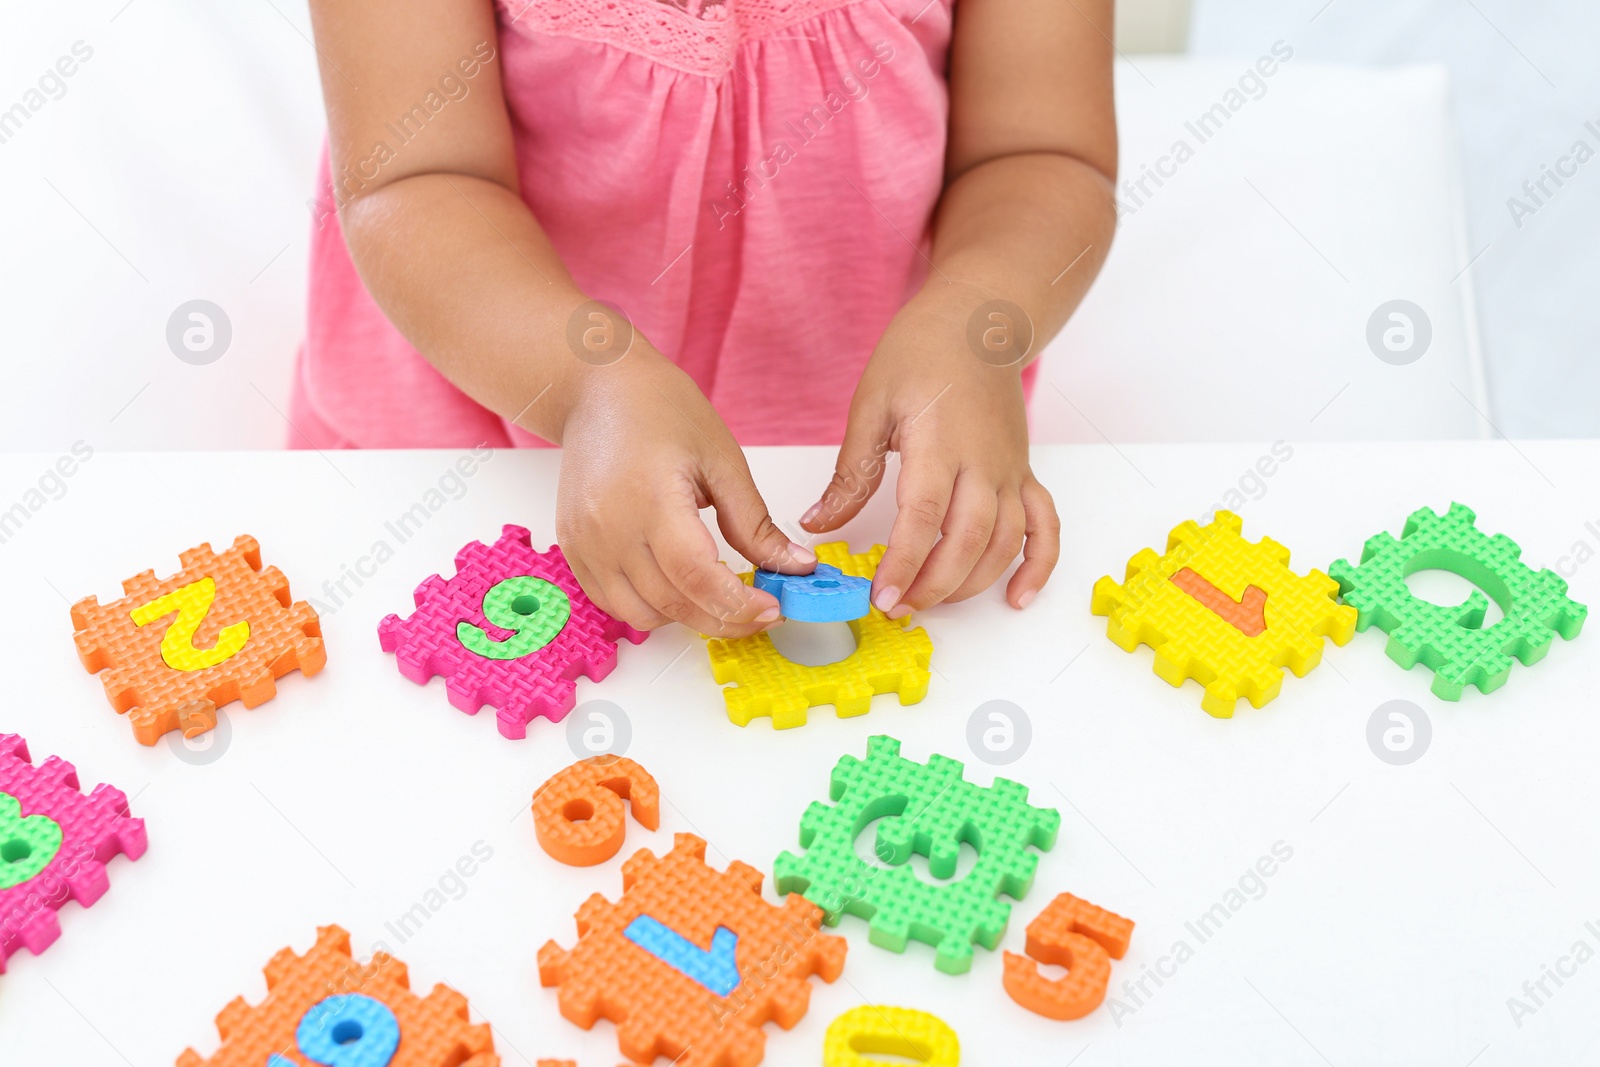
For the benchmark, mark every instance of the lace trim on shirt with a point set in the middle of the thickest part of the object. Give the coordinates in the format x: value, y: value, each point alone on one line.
x: 695, y: 36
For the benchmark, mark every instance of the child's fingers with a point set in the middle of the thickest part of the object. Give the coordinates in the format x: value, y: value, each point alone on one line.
x: 965, y: 536
x: 856, y: 475
x: 652, y: 580
x: 616, y: 596
x: 923, y: 495
x: 1042, y: 548
x: 744, y: 520
x: 686, y: 556
x: 1005, y: 541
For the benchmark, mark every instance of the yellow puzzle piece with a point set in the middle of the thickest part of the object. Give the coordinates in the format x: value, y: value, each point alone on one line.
x: 1223, y: 611
x: 889, y: 658
x: 902, y: 1032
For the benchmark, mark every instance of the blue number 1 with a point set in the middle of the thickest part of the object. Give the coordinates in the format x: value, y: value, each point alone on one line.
x: 347, y: 1030
x: 716, y: 968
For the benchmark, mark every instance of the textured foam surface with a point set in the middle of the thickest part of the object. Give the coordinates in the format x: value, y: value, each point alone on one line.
x: 886, y: 1031
x: 1174, y: 602
x: 539, y: 682
x: 889, y: 658
x: 1079, y: 936
x: 174, y: 676
x: 578, y: 813
x: 827, y: 594
x: 930, y: 810
x: 658, y: 1009
x: 434, y: 1030
x: 1451, y: 640
x: 87, y: 832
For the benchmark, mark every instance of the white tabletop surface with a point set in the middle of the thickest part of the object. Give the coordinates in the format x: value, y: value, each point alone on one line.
x: 1418, y: 898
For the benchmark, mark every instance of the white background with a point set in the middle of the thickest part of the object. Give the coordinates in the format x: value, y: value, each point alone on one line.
x: 1523, y: 85
x: 1418, y: 898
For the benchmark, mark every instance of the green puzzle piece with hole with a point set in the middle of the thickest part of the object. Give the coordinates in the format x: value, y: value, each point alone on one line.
x: 27, y: 845
x: 1451, y: 641
x: 929, y: 810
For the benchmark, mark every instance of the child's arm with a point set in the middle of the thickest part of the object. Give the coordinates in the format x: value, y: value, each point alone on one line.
x: 1027, y: 216
x: 459, y: 264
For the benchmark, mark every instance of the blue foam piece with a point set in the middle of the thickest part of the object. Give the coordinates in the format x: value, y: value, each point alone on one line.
x: 347, y: 1030
x: 827, y: 594
x: 716, y: 968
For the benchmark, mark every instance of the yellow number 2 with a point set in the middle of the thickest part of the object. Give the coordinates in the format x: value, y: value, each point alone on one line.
x: 192, y: 602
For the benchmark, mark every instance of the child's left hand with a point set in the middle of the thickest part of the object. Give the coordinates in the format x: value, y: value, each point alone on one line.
x: 968, y: 501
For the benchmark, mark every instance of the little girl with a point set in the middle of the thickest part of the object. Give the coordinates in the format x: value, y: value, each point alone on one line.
x: 654, y: 230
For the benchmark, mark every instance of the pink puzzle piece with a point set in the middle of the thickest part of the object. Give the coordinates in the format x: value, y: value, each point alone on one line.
x: 92, y: 829
x: 521, y: 688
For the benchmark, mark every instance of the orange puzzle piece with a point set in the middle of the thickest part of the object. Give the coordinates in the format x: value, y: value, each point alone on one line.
x: 578, y: 814
x: 233, y: 631
x: 664, y: 1007
x: 433, y: 1030
x: 1077, y: 935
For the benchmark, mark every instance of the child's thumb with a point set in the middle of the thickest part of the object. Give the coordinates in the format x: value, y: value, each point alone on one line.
x: 743, y: 518
x: 856, y: 475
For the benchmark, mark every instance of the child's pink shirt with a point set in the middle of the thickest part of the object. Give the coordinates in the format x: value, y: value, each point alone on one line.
x: 751, y: 182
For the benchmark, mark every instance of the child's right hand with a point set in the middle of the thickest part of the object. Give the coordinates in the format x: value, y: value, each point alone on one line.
x: 644, y: 451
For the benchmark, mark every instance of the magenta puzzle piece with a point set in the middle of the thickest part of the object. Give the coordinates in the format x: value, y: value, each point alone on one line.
x: 54, y: 844
x: 472, y: 631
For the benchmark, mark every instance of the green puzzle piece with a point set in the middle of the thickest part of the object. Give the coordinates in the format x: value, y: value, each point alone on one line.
x: 26, y: 845
x: 533, y: 609
x: 1450, y: 640
x: 930, y: 810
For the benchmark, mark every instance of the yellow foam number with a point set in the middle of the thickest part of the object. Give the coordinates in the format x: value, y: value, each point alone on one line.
x: 902, y: 1032
x: 192, y: 602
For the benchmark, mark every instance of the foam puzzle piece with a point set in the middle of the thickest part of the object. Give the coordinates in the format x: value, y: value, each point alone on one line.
x: 1224, y: 611
x: 1451, y: 640
x: 304, y: 999
x: 827, y: 594
x: 903, y: 1032
x: 460, y: 621
x: 889, y: 658
x: 234, y: 632
x: 578, y: 813
x: 45, y: 815
x: 348, y: 1030
x: 928, y: 809
x: 658, y: 1009
x: 716, y: 967
x: 1077, y: 935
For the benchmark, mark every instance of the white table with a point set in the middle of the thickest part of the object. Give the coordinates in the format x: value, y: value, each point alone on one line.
x: 1417, y: 900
